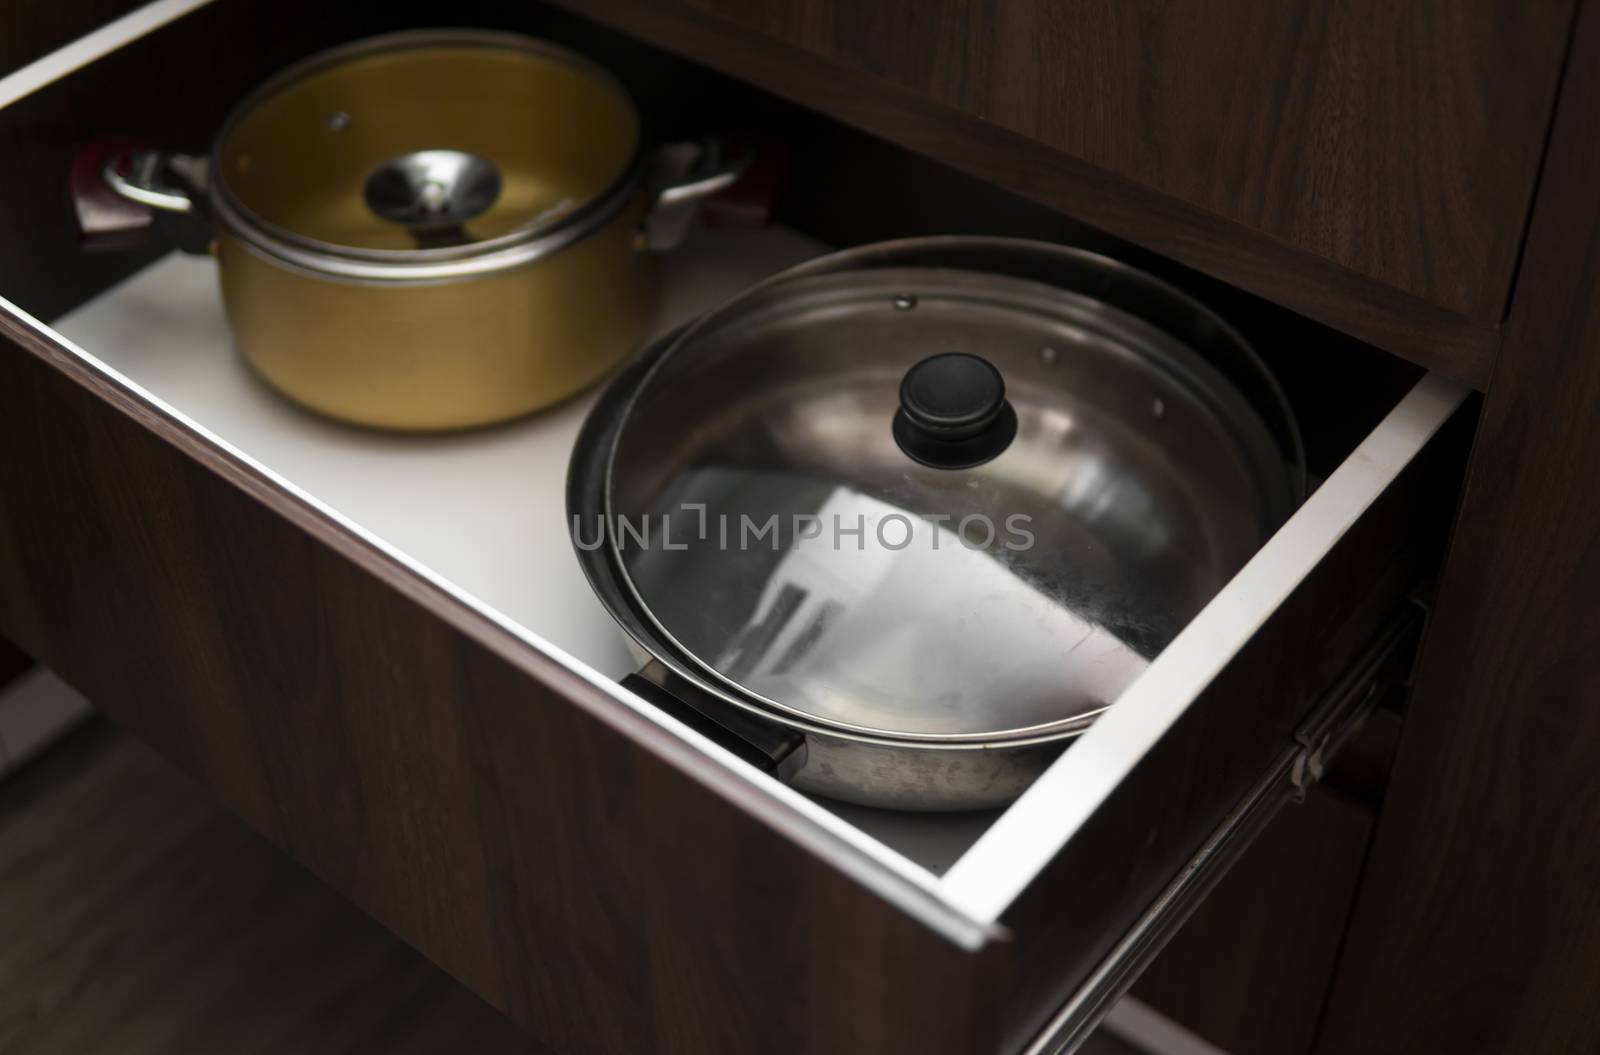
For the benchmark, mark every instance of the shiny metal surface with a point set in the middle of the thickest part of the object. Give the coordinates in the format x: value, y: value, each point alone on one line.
x: 681, y: 176
x: 900, y: 608
x: 527, y: 289
x: 433, y: 193
x: 441, y: 355
x: 658, y: 228
x: 901, y: 600
x: 921, y: 775
x: 293, y: 164
x: 143, y: 183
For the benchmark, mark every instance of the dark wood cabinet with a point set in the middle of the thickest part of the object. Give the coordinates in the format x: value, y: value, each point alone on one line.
x: 1250, y: 969
x: 1478, y: 925
x: 1399, y: 141
x: 1349, y: 183
x: 1370, y: 165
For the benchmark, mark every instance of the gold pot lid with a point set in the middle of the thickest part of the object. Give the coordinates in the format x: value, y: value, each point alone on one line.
x: 427, y: 146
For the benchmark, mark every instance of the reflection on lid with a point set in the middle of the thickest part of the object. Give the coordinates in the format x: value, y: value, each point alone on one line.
x: 864, y: 615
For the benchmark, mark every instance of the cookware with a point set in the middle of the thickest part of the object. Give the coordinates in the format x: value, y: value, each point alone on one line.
x: 431, y: 230
x: 899, y: 523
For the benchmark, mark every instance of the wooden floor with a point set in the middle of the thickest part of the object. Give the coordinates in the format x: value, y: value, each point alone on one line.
x: 138, y: 918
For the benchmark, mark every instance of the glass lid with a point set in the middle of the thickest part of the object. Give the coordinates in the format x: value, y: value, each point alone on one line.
x: 428, y: 141
x: 927, y: 501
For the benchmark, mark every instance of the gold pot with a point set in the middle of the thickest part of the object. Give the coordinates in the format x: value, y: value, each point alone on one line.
x: 432, y: 230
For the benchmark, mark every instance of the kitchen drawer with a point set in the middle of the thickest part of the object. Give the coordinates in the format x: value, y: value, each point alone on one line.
x: 380, y: 652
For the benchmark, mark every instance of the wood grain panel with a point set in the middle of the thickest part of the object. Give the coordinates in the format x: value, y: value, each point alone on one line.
x: 1478, y: 925
x: 1400, y: 141
x: 1406, y: 324
x: 562, y: 855
x: 1250, y: 969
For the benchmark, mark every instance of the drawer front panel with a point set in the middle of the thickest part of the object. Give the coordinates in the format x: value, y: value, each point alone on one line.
x: 1152, y: 823
x: 1266, y: 940
x: 562, y: 855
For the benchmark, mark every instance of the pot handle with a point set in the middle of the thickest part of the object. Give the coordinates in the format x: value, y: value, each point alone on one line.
x: 769, y: 747
x: 122, y: 191
x: 680, y: 177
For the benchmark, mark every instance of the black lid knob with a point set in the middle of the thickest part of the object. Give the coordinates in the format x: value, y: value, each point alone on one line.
x: 953, y: 412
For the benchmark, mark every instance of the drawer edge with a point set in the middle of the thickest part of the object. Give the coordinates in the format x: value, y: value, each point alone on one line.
x: 897, y: 879
x: 1006, y: 858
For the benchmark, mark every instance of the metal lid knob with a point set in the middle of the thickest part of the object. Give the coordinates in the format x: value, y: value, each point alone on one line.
x: 953, y: 412
x: 433, y: 192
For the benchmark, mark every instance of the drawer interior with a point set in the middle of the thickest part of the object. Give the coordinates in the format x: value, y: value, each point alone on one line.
x: 483, y: 512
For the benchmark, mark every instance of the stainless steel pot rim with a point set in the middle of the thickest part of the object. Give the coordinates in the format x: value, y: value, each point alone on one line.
x: 646, y: 628
x: 513, y: 249
x: 324, y: 265
x: 1050, y: 732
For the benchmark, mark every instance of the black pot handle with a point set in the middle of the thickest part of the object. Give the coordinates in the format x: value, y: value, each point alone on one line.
x: 769, y: 747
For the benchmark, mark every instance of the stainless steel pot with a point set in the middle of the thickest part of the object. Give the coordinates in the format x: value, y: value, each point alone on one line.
x: 899, y: 523
x: 432, y: 230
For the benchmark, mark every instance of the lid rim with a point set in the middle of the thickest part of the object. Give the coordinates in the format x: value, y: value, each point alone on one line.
x: 516, y: 247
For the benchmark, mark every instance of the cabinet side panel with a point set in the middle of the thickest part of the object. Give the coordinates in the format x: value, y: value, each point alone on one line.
x: 1477, y: 928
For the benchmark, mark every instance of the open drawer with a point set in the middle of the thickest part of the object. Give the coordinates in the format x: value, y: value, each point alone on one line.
x: 380, y: 651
